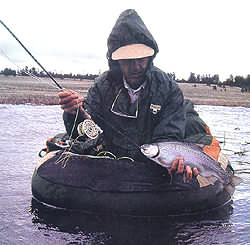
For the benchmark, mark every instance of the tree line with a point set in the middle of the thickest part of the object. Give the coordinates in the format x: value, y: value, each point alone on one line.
x: 237, y: 81
x: 35, y: 72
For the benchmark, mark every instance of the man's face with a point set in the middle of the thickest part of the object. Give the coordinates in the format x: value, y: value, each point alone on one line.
x: 134, y: 71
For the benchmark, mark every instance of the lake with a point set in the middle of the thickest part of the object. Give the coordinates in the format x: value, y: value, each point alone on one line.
x: 25, y: 129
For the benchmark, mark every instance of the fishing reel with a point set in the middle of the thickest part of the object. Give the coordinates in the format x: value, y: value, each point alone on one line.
x: 89, y: 128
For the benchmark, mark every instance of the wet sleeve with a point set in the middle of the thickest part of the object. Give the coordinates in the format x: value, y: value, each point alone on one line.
x: 171, y: 125
x: 93, y: 104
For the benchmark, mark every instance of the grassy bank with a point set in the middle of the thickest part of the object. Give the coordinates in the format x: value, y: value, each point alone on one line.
x: 23, y: 90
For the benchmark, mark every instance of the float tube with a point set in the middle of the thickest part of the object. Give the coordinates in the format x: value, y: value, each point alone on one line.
x: 121, y: 187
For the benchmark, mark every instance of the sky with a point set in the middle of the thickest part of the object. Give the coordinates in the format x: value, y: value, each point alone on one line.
x: 200, y: 36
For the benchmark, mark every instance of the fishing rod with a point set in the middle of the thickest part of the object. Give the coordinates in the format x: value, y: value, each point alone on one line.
x: 60, y: 87
x: 13, y: 35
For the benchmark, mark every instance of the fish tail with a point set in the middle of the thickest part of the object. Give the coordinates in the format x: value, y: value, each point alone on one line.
x: 236, y: 180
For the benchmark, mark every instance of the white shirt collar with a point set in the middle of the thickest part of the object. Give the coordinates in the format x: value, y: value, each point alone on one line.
x: 133, y: 93
x: 126, y: 85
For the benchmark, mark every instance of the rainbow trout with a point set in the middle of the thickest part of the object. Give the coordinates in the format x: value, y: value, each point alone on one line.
x: 164, y: 153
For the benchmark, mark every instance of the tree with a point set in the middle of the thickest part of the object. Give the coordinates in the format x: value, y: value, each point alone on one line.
x: 230, y: 81
x: 239, y: 81
x: 215, y: 79
x: 192, y: 78
x: 9, y: 72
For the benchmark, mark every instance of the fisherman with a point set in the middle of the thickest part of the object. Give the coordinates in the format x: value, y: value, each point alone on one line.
x: 133, y: 97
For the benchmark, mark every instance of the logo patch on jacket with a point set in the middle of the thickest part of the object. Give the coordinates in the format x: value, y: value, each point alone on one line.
x: 155, y: 108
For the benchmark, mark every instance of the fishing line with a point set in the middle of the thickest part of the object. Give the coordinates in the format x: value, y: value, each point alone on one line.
x: 66, y: 151
x: 13, y: 35
x: 61, y: 88
x: 52, y: 78
x: 77, y: 111
x: 26, y: 72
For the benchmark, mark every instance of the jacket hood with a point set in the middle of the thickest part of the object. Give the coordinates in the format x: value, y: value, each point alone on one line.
x: 130, y: 29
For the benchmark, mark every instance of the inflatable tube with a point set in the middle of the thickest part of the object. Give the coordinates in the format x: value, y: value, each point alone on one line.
x: 120, y: 187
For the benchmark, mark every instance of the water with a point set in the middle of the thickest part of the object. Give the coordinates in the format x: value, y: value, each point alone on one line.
x: 25, y: 129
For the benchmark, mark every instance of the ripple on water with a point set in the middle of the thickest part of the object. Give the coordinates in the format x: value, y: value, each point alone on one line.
x: 25, y: 129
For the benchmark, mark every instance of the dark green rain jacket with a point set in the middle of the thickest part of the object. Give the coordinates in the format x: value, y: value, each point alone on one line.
x: 159, y: 109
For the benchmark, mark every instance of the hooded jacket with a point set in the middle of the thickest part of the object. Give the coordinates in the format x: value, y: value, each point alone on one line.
x: 159, y: 108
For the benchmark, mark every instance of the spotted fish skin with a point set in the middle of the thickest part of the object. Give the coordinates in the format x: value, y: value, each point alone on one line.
x: 164, y: 153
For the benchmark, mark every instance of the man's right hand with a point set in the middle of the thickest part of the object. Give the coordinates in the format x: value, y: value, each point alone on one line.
x: 70, y: 101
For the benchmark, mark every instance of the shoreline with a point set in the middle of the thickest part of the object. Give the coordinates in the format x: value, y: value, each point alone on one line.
x: 26, y: 90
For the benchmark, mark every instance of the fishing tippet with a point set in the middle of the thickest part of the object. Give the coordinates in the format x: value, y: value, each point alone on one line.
x: 52, y: 78
x: 59, y: 86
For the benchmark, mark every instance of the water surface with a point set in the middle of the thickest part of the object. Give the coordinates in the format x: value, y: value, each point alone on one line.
x: 25, y: 129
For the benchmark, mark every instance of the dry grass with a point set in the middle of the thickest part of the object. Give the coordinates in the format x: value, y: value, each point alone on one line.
x: 23, y: 90
x: 202, y: 94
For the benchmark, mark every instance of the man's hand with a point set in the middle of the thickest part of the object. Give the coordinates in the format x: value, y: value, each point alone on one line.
x: 70, y: 101
x: 178, y: 168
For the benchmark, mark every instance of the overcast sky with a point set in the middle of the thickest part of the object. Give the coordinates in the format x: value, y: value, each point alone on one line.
x: 200, y: 36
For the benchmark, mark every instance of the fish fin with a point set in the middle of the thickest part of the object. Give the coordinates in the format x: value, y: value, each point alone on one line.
x: 161, y: 162
x: 205, y: 181
x: 230, y: 189
x: 236, y: 180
